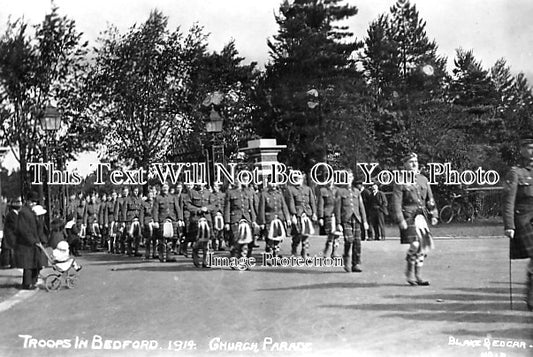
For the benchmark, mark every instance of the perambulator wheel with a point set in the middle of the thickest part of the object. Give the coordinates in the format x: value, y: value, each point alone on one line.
x: 52, y: 282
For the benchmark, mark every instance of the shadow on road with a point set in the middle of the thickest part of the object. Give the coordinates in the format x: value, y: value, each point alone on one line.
x: 339, y: 285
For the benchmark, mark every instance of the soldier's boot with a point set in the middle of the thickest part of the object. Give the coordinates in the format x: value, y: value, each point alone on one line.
x: 129, y: 247
x: 347, y: 257
x: 529, y: 295
x: 154, y: 249
x: 221, y: 244
x: 254, y: 242
x: 410, y: 272
x: 334, y: 252
x: 147, y: 250
x: 183, y: 247
x: 204, y: 256
x: 419, y: 280
x: 195, y: 258
x: 294, y: 246
x: 161, y: 249
x: 326, y: 248
x: 335, y: 246
x: 175, y: 246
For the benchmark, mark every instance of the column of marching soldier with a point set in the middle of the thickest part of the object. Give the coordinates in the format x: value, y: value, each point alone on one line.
x: 194, y: 219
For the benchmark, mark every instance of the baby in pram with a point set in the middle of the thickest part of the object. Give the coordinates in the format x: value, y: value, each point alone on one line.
x: 61, y: 257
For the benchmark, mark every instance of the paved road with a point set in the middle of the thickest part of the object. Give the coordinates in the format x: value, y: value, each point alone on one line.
x: 324, y: 310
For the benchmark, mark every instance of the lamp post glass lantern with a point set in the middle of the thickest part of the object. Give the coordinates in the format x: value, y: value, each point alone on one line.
x: 214, y: 125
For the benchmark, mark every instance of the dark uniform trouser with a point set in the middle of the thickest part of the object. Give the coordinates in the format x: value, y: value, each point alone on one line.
x: 240, y: 250
x: 185, y: 236
x: 332, y: 239
x: 298, y: 237
x: 352, y: 243
x: 377, y: 224
x: 30, y: 276
x: 163, y: 247
x: 150, y: 242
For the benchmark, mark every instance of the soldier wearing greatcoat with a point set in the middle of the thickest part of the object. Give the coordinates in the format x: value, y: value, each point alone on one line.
x: 518, y: 211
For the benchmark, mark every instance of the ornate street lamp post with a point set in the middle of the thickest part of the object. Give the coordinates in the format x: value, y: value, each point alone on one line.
x: 50, y: 123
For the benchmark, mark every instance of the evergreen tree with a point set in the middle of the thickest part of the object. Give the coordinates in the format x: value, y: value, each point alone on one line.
x: 37, y: 70
x: 310, y: 90
x: 407, y: 79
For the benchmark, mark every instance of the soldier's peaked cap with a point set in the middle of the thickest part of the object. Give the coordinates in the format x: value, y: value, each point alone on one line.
x: 410, y: 156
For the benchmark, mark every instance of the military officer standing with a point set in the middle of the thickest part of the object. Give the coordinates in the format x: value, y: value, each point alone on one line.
x: 167, y: 215
x: 302, y: 207
x: 110, y: 223
x: 350, y: 210
x: 518, y: 211
x: 200, y: 227
x: 147, y: 222
x: 274, y: 215
x: 121, y: 234
x: 413, y: 205
x: 326, y: 217
x: 90, y: 221
x: 131, y: 214
x: 185, y: 237
x: 239, y: 215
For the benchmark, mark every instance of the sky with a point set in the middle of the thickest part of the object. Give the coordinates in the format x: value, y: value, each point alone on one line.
x: 491, y: 28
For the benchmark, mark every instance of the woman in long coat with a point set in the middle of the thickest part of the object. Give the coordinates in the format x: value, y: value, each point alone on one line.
x: 28, y: 256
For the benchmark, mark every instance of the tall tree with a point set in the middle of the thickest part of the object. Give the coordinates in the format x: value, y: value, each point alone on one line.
x: 36, y: 70
x: 310, y: 89
x: 139, y: 87
x: 406, y: 76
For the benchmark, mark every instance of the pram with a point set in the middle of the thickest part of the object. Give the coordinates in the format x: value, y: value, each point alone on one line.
x: 64, y: 273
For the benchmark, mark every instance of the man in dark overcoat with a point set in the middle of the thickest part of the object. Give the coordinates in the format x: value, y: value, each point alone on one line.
x: 28, y: 256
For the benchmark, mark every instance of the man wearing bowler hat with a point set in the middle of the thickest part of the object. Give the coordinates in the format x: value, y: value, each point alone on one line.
x: 413, y: 206
x: 518, y: 211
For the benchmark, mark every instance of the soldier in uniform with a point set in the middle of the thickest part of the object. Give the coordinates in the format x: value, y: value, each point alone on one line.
x: 302, y: 207
x: 176, y: 241
x: 185, y: 236
x: 90, y: 220
x: 70, y: 209
x: 217, y: 202
x: 377, y: 210
x: 350, y: 210
x: 326, y: 217
x: 518, y: 211
x: 102, y: 216
x: 200, y: 227
x: 131, y: 215
x: 413, y: 205
x: 119, y: 216
x: 110, y: 223
x: 239, y: 215
x: 274, y: 215
x: 147, y: 223
x: 167, y: 215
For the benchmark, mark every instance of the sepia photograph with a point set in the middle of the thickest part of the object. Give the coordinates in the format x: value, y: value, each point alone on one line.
x: 266, y: 178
